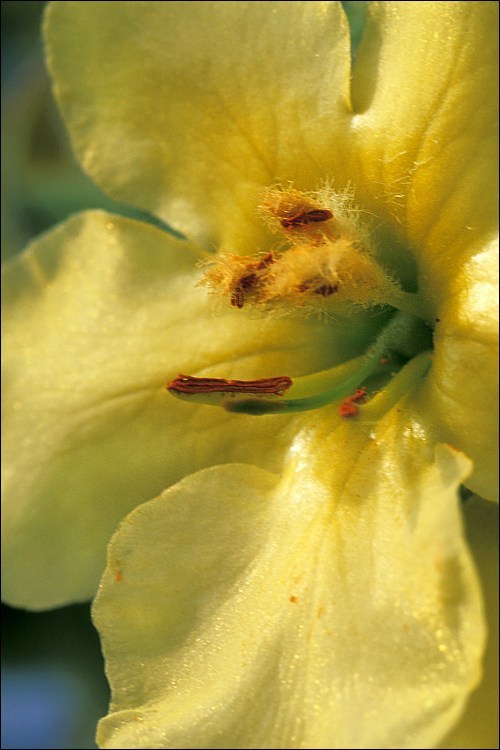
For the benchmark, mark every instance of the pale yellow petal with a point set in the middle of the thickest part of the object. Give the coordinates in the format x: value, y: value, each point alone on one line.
x: 99, y: 314
x: 461, y: 393
x: 425, y: 88
x: 335, y: 606
x: 478, y: 727
x: 426, y: 91
x: 188, y: 109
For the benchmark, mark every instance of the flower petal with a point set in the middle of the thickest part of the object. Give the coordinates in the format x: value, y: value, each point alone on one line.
x: 188, y: 109
x: 99, y: 315
x: 478, y: 727
x: 461, y: 391
x: 425, y: 86
x: 336, y: 606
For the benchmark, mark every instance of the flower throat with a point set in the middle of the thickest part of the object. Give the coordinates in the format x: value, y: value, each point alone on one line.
x: 323, y: 263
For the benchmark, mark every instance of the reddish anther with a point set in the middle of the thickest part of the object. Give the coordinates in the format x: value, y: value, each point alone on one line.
x: 360, y: 395
x: 249, y: 279
x: 348, y: 406
x: 304, y: 218
x: 265, y: 261
x: 325, y: 290
x: 245, y: 283
x: 348, y: 409
x: 189, y: 385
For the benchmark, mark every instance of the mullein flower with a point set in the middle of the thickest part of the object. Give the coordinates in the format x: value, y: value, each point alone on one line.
x: 327, y: 335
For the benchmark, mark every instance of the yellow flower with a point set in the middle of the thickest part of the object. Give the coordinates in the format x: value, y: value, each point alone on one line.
x: 301, y: 579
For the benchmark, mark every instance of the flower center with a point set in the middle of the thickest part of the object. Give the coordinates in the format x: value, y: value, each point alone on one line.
x: 324, y: 262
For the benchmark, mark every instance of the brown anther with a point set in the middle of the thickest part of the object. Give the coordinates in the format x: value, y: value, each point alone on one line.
x: 237, y: 298
x: 244, y: 284
x: 316, y: 286
x: 265, y: 261
x: 326, y: 290
x: 189, y: 385
x: 249, y: 279
x: 303, y: 218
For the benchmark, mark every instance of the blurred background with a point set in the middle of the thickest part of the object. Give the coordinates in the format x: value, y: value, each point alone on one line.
x: 53, y: 684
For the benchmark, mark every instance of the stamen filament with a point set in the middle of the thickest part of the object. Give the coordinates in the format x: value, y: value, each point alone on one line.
x: 398, y: 329
x: 318, y: 382
x: 403, y: 382
x: 265, y: 395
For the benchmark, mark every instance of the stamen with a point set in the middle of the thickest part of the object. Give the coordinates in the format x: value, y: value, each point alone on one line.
x: 189, y: 385
x: 265, y: 395
x: 294, y: 211
x: 302, y: 218
x: 241, y: 278
x: 348, y: 407
x: 248, y: 281
x: 400, y: 328
x: 315, y: 276
x: 403, y: 382
x: 328, y: 261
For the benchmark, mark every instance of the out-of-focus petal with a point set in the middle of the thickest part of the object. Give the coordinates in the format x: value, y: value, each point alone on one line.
x: 478, y: 728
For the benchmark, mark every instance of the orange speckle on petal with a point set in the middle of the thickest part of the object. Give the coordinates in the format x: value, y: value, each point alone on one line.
x: 293, y: 599
x: 118, y: 576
